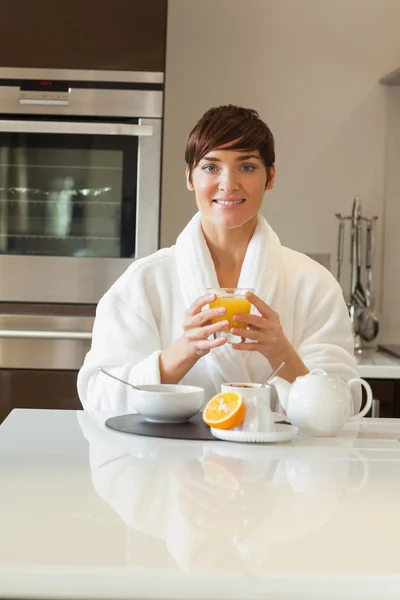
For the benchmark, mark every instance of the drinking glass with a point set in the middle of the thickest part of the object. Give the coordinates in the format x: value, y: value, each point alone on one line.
x: 234, y: 301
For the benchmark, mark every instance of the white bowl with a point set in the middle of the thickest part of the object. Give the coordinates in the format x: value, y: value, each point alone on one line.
x: 165, y: 403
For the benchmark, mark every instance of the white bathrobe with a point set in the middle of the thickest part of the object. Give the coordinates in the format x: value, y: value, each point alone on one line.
x: 142, y: 314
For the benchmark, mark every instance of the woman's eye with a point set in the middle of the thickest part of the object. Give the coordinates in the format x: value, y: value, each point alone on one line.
x: 248, y: 168
x: 210, y: 168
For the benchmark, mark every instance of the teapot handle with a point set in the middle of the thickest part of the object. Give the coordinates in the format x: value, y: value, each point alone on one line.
x: 368, y: 404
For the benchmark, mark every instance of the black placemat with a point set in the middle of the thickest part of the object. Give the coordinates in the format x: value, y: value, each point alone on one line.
x: 195, y: 429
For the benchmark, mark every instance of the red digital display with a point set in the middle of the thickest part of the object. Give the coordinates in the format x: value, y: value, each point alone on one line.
x: 38, y: 85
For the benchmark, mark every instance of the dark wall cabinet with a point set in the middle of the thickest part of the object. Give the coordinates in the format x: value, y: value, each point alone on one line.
x: 123, y: 35
x: 21, y: 388
x: 387, y: 391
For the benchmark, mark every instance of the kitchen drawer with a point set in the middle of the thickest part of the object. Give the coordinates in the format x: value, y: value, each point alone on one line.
x: 384, y: 391
x: 35, y: 388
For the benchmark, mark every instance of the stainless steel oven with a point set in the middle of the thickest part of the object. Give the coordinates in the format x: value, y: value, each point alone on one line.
x: 79, y: 180
x: 80, y: 157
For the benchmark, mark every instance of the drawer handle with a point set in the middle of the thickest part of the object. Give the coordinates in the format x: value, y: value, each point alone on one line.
x: 375, y: 408
x: 45, y: 335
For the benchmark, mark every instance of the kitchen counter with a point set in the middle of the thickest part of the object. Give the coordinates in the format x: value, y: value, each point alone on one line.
x: 378, y: 365
x: 90, y: 513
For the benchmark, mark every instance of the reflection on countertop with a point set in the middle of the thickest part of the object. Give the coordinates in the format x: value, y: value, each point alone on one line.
x: 86, y: 511
x: 377, y: 364
x: 220, y: 506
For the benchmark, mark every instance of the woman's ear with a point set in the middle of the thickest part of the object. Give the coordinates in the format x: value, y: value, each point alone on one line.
x: 189, y: 183
x: 271, y: 179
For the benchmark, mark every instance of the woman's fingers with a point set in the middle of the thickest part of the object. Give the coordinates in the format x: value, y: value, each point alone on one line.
x: 198, y: 325
x: 248, y: 346
x: 209, y: 344
x: 203, y: 317
x: 258, y: 335
x: 250, y: 334
x: 253, y: 320
x: 256, y: 323
x: 261, y: 335
x: 199, y: 303
x: 200, y: 333
x: 263, y: 308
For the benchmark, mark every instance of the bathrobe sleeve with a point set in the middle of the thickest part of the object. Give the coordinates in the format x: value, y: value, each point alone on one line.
x: 327, y: 341
x: 126, y: 341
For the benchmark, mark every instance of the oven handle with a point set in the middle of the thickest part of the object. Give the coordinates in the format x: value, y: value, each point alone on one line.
x: 45, y: 335
x: 75, y: 128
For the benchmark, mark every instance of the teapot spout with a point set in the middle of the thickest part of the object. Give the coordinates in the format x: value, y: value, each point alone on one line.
x: 283, y: 388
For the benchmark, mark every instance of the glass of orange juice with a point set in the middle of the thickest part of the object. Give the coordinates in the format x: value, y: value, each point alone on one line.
x: 234, y: 301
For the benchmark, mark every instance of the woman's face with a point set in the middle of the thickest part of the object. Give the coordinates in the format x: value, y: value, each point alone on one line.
x: 229, y: 186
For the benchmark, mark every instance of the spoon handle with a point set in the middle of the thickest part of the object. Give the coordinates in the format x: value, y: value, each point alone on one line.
x: 274, y: 373
x: 117, y: 378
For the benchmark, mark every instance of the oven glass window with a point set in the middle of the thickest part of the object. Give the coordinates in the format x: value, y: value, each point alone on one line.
x: 68, y: 195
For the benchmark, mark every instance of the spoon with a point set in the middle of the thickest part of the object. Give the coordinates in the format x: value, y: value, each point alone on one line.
x: 273, y: 374
x: 118, y: 379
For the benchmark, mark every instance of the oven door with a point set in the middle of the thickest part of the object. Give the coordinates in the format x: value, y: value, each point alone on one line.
x: 79, y: 200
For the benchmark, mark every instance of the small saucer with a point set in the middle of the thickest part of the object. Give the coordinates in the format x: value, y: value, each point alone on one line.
x: 283, y: 433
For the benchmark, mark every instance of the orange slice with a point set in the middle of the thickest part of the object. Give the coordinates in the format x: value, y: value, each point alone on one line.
x: 225, y: 411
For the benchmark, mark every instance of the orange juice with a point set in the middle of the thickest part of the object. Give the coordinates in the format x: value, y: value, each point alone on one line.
x: 233, y: 306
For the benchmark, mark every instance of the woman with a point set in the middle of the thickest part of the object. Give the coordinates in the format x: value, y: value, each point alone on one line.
x: 154, y: 326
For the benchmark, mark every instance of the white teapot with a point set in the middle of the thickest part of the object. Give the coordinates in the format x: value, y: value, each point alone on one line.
x: 318, y: 403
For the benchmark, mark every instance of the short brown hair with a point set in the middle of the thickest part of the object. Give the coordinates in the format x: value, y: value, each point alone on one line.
x: 237, y: 128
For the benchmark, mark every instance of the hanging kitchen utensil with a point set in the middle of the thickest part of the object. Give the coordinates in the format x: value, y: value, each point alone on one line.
x: 353, y: 249
x: 364, y: 322
x: 368, y: 322
x: 370, y: 245
x: 358, y: 297
x: 340, y: 245
x: 368, y: 325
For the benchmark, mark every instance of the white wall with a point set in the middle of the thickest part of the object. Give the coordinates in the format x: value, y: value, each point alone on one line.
x: 391, y: 251
x: 311, y: 68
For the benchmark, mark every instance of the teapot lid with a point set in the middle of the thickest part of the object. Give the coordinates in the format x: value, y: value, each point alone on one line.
x: 320, y: 373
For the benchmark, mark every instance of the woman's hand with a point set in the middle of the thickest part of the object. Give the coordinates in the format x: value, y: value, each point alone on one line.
x: 197, y: 326
x: 264, y: 332
x: 182, y: 355
x: 266, y: 336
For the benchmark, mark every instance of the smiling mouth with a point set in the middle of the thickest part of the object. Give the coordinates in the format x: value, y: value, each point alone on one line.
x: 223, y: 202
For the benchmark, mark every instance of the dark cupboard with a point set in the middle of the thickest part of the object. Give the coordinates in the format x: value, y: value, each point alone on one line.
x: 122, y: 35
x: 56, y: 389
x: 36, y: 388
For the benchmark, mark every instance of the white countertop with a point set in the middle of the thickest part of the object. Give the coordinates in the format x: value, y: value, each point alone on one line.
x: 90, y: 513
x: 378, y: 365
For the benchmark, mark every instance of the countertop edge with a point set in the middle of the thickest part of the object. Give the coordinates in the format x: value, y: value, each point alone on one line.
x: 107, y: 584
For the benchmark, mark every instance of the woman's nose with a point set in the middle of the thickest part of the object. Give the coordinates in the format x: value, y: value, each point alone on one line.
x: 228, y: 182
